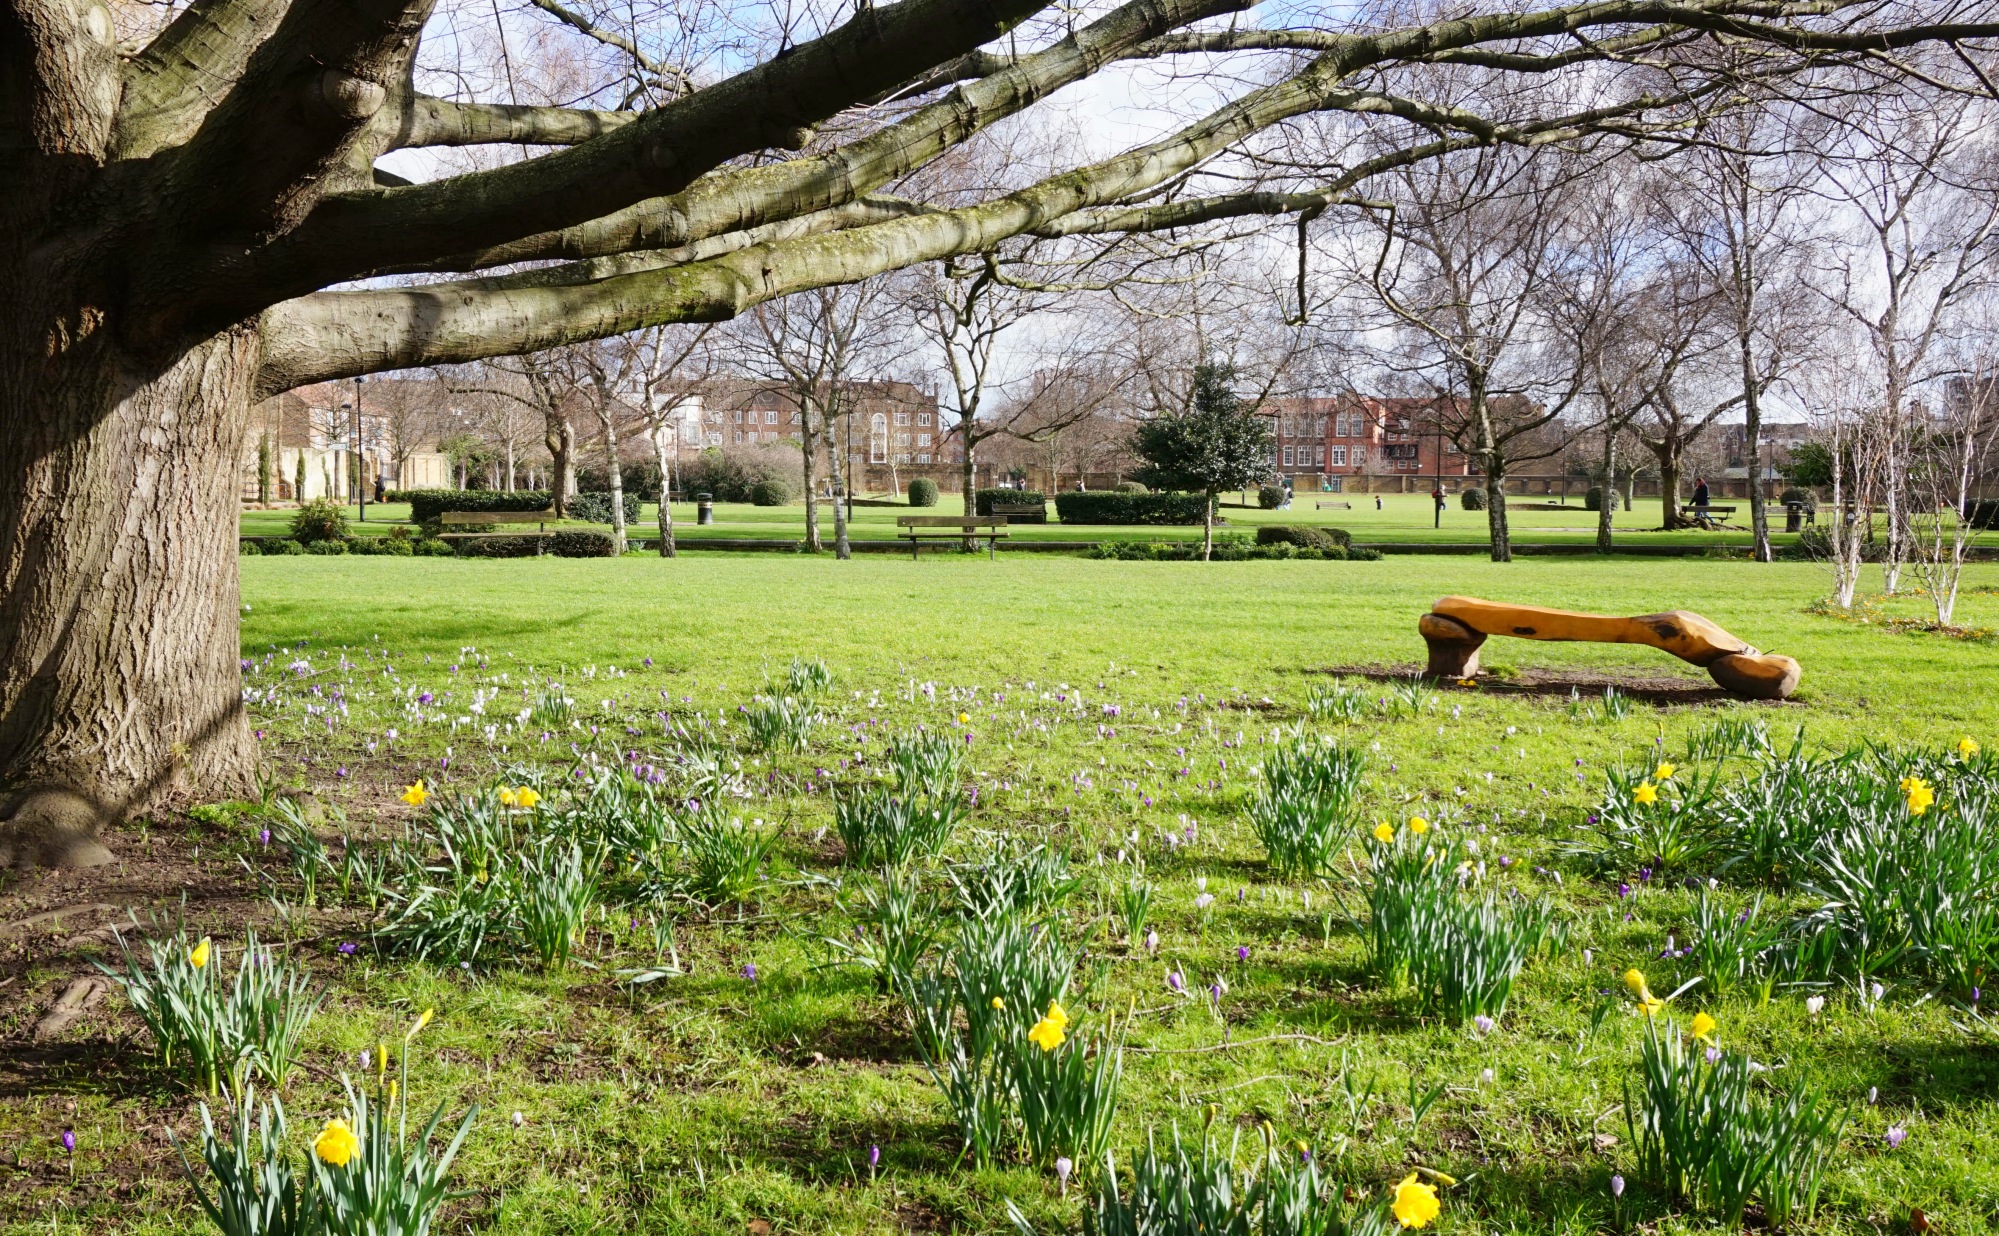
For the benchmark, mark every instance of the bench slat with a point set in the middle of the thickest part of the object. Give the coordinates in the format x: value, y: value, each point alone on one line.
x: 496, y: 517
x: 948, y: 521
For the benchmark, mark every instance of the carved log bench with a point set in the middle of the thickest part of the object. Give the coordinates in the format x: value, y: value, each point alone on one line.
x: 1457, y: 626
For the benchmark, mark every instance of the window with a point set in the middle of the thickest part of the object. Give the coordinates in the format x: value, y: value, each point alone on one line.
x: 796, y: 419
x: 922, y: 457
x: 1359, y: 456
x: 923, y: 418
x: 715, y: 418
x: 1339, y: 457
x: 923, y: 439
x: 1451, y: 448
x: 770, y: 435
x: 902, y: 418
x: 737, y: 417
x: 878, y: 438
x: 1287, y: 457
x: 715, y: 439
x: 1319, y: 456
x: 770, y: 418
x: 902, y: 439
x: 739, y: 435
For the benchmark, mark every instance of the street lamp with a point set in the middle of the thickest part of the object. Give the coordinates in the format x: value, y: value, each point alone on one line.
x: 360, y: 481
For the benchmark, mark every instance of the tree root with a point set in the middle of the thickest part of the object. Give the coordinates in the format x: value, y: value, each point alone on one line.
x: 49, y: 827
x: 24, y: 925
x: 70, y: 1005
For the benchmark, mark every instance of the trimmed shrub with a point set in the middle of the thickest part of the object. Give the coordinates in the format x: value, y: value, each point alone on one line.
x: 433, y: 549
x: 326, y: 547
x: 1131, y: 487
x: 321, y: 519
x: 1593, y: 500
x: 249, y: 549
x: 582, y: 545
x: 1472, y: 499
x: 983, y: 499
x: 1807, y: 499
x: 923, y: 492
x: 771, y: 492
x: 1303, y: 537
x: 1270, y: 497
x: 596, y: 507
x: 1983, y: 513
x: 426, y: 505
x: 392, y: 546
x: 1361, y: 553
x: 500, y: 547
x: 1102, y: 507
x: 285, y: 549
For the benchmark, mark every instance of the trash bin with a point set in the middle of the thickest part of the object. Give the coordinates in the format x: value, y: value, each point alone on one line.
x: 1794, y: 516
x: 704, y: 508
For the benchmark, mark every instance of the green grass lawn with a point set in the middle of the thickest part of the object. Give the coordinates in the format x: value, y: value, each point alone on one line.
x: 1403, y: 518
x: 1109, y: 706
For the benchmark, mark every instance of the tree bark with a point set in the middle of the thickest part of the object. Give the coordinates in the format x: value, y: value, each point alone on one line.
x: 1668, y: 453
x: 809, y: 440
x: 1208, y: 528
x: 1606, y: 507
x: 667, y: 549
x: 969, y: 478
x: 841, y: 484
x: 1752, y: 451
x: 561, y: 442
x: 120, y: 689
x: 617, y: 484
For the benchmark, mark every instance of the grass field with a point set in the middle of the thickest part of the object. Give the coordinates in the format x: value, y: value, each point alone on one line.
x: 1403, y: 518
x: 1120, y: 713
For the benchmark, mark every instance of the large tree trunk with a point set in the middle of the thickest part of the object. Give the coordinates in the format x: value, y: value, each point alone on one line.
x: 969, y: 478
x: 1669, y: 483
x: 562, y: 451
x: 617, y: 485
x: 1208, y: 528
x: 666, y: 546
x: 1606, y: 507
x: 841, y: 484
x: 1752, y: 452
x: 120, y: 689
x: 809, y: 441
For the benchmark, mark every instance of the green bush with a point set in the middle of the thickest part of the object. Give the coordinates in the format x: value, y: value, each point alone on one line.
x: 284, y: 548
x: 426, y: 505
x: 1361, y: 553
x: 1472, y: 499
x: 582, y: 545
x: 1593, y: 500
x: 432, y: 548
x: 392, y: 546
x: 771, y: 492
x: 249, y: 549
x: 983, y: 500
x: 1101, y: 507
x: 326, y: 547
x: 321, y: 519
x: 1800, y: 497
x: 1131, y: 487
x: 1304, y: 537
x: 500, y: 547
x: 1270, y: 497
x: 923, y: 492
x: 596, y: 507
x: 1983, y: 513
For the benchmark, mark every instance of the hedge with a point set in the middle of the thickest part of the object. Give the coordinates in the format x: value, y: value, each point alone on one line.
x: 770, y: 492
x: 1983, y: 513
x: 500, y: 547
x: 428, y: 504
x: 1102, y: 507
x: 1270, y: 497
x: 1231, y: 547
x: 596, y: 507
x: 923, y: 492
x: 1304, y: 538
x: 578, y: 544
x: 983, y: 500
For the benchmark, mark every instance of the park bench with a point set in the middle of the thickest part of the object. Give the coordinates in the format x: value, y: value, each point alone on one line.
x: 1019, y: 508
x: 486, y: 519
x: 1709, y: 515
x: 917, y: 529
x: 1334, y: 506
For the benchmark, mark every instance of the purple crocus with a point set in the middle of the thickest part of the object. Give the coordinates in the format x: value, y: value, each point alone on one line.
x: 1617, y: 1186
x: 1175, y: 980
x: 1895, y: 1136
x: 874, y: 1158
x: 750, y: 971
x: 348, y: 948
x: 1483, y: 1023
x: 1242, y: 952
x: 69, y: 1140
x: 264, y: 837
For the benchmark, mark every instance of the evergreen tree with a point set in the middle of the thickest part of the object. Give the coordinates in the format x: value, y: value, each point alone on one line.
x: 1218, y: 443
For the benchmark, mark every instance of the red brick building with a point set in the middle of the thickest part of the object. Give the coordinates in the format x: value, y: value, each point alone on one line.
x: 1361, y: 443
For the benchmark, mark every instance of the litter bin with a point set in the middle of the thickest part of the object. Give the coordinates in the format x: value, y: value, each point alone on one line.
x: 1794, y: 516
x: 704, y: 508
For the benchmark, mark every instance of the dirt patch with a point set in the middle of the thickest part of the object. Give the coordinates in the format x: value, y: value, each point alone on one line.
x: 1588, y: 684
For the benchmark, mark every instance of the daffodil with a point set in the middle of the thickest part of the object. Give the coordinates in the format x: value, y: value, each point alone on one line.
x: 507, y: 798
x: 1418, y: 825
x: 998, y: 1004
x: 381, y: 1059
x: 1384, y: 832
x: 420, y: 1023
x: 198, y: 955
x: 964, y: 718
x: 1646, y: 794
x: 1415, y: 1203
x: 415, y: 794
x: 1057, y: 1014
x: 336, y: 1144
x: 1921, y: 796
x: 1647, y: 1002
x: 528, y: 797
x: 1664, y: 772
x: 1704, y: 1028
x: 1966, y: 747
x: 1046, y: 1034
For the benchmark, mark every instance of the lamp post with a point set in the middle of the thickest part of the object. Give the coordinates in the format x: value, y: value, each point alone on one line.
x: 1437, y: 458
x: 360, y: 456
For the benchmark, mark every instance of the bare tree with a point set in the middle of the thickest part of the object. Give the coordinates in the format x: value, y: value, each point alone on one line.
x: 1944, y: 475
x: 674, y: 365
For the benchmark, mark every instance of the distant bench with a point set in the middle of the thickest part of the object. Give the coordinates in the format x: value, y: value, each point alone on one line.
x: 919, y: 528
x: 486, y: 519
x: 1333, y: 506
x: 1021, y: 510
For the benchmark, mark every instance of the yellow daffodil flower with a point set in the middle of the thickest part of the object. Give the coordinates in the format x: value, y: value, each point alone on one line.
x: 528, y: 797
x: 336, y: 1144
x: 964, y: 718
x: 507, y: 798
x: 1384, y: 832
x: 1704, y: 1028
x: 1046, y: 1035
x: 381, y: 1059
x: 415, y: 794
x: 1966, y: 747
x: 392, y: 1092
x: 198, y: 955
x: 1418, y: 825
x: 421, y: 1022
x: 1664, y: 772
x: 1057, y: 1014
x: 1921, y: 796
x: 998, y: 1004
x: 1415, y: 1203
x: 1646, y: 794
x: 1647, y: 1002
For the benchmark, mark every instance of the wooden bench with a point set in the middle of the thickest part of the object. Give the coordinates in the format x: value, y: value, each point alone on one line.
x: 1709, y: 516
x: 1036, y: 511
x: 1333, y: 506
x: 919, y: 528
x: 486, y: 519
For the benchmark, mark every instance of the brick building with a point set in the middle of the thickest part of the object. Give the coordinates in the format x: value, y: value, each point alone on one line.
x: 1363, y: 444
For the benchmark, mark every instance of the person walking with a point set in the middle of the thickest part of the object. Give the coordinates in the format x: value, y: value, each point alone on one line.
x: 1701, y: 499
